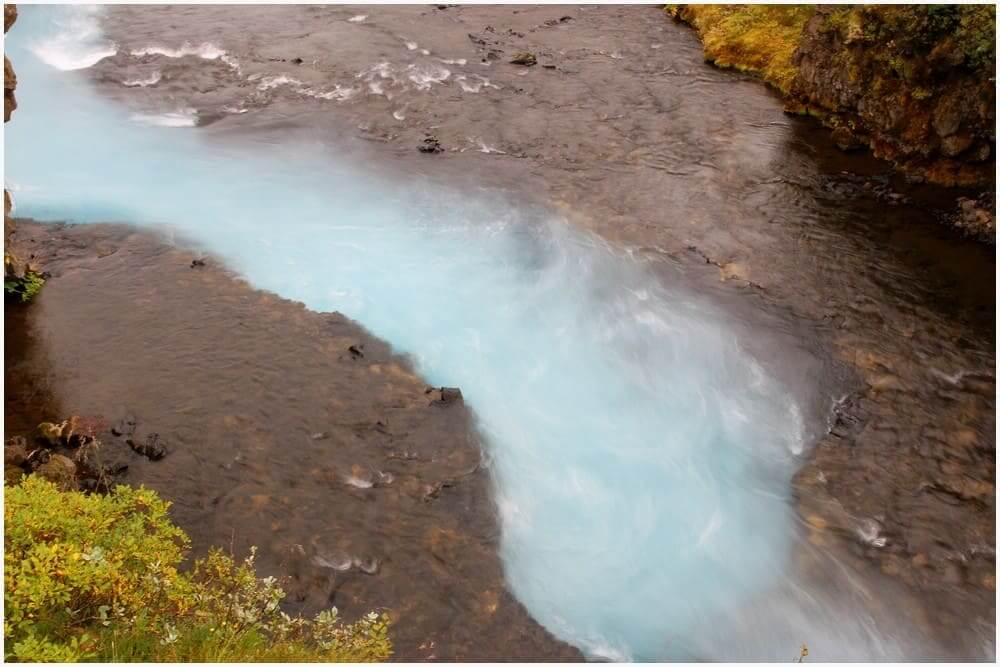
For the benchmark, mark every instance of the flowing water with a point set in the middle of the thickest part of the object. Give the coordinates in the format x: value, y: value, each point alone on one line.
x: 642, y: 453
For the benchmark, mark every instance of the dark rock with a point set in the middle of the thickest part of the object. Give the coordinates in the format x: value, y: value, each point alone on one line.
x: 444, y: 395
x: 15, y: 451
x: 525, y: 58
x: 845, y: 138
x: 60, y: 470
x: 549, y: 66
x: 297, y: 61
x: 430, y: 145
x: 125, y: 427
x: 151, y: 448
x: 357, y: 351
x: 197, y: 262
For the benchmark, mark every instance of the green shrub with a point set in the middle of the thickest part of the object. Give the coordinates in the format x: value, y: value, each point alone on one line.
x: 23, y: 288
x: 92, y: 577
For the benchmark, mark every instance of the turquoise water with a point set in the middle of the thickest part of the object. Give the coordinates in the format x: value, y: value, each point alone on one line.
x: 641, y: 458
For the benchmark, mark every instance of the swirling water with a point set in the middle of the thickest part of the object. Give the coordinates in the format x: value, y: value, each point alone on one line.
x: 641, y: 457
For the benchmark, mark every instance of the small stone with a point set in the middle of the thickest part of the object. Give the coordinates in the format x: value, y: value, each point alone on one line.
x: 357, y: 351
x: 195, y: 263
x: 444, y: 395
x: 297, y: 61
x: 430, y: 146
x: 125, y: 427
x: 525, y: 58
x: 151, y: 448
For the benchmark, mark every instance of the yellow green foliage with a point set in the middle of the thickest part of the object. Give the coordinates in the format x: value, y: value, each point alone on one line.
x: 22, y: 288
x: 92, y: 577
x: 760, y: 39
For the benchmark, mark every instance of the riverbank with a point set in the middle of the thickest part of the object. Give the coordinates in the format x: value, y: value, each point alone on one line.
x: 294, y: 431
x: 915, y: 85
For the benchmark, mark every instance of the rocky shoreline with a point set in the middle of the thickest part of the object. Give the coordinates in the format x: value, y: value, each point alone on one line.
x: 294, y: 431
x: 914, y: 85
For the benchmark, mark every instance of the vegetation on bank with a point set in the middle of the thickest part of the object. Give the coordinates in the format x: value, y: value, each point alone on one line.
x: 914, y: 83
x: 759, y: 39
x: 762, y: 39
x: 23, y: 288
x: 95, y: 577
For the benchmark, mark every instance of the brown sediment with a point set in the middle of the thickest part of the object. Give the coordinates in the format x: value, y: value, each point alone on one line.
x: 294, y: 431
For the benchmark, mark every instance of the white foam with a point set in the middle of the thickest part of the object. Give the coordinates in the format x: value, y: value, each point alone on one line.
x: 412, y: 46
x: 398, y: 115
x: 270, y: 82
x: 474, y: 86
x: 150, y: 80
x: 77, y: 42
x: 424, y: 76
x: 339, y: 93
x: 454, y: 61
x: 185, y: 117
x: 358, y: 482
x: 206, y: 50
x: 339, y: 563
x: 357, y: 19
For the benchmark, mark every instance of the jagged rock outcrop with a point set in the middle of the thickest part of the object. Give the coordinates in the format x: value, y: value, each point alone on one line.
x: 916, y: 84
x: 10, y: 263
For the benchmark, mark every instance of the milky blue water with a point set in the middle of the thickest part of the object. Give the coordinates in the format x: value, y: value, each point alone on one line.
x: 641, y: 458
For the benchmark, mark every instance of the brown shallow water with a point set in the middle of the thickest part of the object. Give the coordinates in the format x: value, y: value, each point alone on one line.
x: 634, y: 137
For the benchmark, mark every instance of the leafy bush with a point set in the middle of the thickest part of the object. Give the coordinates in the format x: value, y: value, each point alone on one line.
x: 23, y: 288
x: 92, y: 577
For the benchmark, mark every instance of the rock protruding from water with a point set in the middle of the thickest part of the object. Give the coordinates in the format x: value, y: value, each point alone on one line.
x: 977, y: 217
x: 66, y: 453
x: 525, y: 58
x: 444, y: 395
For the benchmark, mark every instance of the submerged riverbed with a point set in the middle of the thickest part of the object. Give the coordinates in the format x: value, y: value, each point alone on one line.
x: 643, y: 423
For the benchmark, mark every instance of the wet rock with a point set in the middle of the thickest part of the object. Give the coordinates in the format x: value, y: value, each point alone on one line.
x: 430, y: 145
x: 50, y: 434
x: 60, y: 470
x: 15, y: 451
x: 525, y: 58
x: 73, y: 432
x: 444, y: 395
x: 846, y: 139
x: 152, y: 448
x: 125, y: 427
x: 977, y: 217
